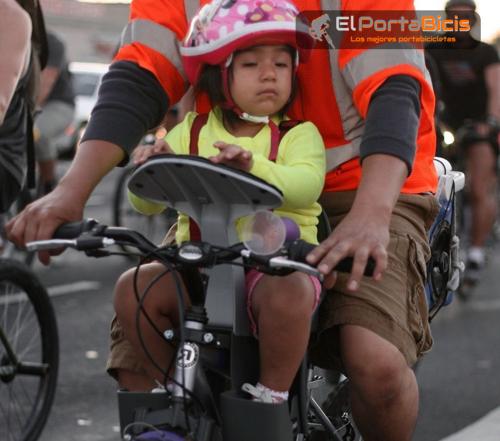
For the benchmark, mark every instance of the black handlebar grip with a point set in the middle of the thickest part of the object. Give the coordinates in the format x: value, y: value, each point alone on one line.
x: 72, y: 230
x: 298, y: 250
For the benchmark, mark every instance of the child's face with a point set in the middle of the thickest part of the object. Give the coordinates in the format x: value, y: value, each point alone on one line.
x: 261, y: 80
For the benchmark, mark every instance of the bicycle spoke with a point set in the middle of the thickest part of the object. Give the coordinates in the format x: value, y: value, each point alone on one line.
x: 26, y: 320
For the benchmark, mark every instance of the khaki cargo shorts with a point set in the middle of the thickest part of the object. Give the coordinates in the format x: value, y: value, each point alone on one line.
x: 395, y: 308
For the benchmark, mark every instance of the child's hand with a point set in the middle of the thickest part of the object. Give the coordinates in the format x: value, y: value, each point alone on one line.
x: 143, y: 152
x: 233, y: 156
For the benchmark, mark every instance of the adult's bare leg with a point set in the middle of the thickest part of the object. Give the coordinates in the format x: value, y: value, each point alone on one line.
x: 481, y: 175
x: 384, y: 391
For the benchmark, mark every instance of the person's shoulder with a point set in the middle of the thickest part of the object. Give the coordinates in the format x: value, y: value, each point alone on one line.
x: 303, y: 129
x: 301, y: 125
x: 487, y: 47
x: 487, y: 53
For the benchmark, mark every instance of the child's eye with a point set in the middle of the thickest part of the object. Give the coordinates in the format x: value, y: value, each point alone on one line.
x: 281, y: 64
x: 249, y: 64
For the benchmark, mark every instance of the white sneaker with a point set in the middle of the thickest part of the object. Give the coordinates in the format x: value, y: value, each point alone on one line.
x: 160, y: 388
x: 263, y: 394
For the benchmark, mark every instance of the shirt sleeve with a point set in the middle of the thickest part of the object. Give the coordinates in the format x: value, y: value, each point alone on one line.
x: 392, y: 120
x: 490, y: 56
x: 130, y: 102
x: 299, y: 171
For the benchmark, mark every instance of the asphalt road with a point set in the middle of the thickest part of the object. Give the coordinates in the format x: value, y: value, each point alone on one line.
x: 459, y: 379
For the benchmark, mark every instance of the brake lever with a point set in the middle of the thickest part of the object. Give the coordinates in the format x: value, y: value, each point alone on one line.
x: 283, y: 262
x: 81, y: 244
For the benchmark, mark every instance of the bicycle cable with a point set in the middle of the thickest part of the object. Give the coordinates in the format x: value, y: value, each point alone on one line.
x: 181, y: 306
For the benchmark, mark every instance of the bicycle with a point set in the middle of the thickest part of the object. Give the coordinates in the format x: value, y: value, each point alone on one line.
x: 216, y: 350
x: 29, y: 353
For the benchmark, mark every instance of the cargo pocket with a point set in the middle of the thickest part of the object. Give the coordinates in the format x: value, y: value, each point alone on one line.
x: 418, y: 317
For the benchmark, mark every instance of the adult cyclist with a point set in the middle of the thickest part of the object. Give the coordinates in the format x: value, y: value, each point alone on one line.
x: 469, y: 73
x: 378, y: 191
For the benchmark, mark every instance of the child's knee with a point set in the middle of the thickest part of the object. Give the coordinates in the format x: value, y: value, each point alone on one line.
x: 124, y: 291
x: 292, y: 295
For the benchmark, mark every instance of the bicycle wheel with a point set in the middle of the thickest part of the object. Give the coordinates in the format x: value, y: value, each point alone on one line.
x: 29, y: 353
x: 152, y: 227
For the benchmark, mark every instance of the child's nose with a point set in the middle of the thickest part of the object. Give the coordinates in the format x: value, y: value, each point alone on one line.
x: 268, y: 71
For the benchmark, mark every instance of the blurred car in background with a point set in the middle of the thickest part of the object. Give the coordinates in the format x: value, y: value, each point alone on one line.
x: 86, y: 80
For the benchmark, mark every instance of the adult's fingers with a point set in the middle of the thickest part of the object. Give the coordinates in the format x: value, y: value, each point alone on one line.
x: 358, y: 268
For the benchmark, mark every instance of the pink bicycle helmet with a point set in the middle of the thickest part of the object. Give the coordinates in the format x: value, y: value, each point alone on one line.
x: 224, y: 26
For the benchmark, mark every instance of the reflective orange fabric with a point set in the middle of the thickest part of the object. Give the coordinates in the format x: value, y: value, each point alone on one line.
x: 316, y: 100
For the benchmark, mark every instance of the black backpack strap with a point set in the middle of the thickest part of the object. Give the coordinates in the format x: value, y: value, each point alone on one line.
x: 287, y: 125
x: 30, y: 153
x: 38, y: 60
x: 198, y: 123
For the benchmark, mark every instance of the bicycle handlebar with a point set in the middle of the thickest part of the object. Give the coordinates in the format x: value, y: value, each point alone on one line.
x: 90, y: 236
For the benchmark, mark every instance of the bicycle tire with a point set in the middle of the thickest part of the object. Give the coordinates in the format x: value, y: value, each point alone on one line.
x: 24, y: 306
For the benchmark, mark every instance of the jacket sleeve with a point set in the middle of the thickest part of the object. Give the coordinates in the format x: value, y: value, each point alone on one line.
x: 151, y: 38
x: 146, y: 76
x: 299, y: 171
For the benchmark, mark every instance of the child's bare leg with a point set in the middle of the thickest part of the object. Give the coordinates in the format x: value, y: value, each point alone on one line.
x: 161, y: 306
x: 282, y: 307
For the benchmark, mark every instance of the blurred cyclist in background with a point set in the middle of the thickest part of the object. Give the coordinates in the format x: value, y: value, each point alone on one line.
x: 57, y: 100
x: 469, y: 74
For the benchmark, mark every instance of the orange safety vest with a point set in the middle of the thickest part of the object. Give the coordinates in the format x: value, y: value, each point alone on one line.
x: 335, y: 86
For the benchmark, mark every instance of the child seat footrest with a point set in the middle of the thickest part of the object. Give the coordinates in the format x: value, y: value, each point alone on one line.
x: 247, y: 420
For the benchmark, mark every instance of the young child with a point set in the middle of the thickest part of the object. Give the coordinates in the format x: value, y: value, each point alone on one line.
x: 244, y: 56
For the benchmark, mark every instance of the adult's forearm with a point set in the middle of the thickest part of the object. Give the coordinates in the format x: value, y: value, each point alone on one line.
x: 93, y: 160
x: 381, y: 182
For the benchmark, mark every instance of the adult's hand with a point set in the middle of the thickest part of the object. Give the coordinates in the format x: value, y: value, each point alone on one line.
x: 360, y: 235
x: 40, y: 219
x: 364, y: 231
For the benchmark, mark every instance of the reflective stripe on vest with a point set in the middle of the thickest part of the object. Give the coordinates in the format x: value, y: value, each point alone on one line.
x: 372, y: 61
x: 344, y: 82
x: 156, y: 37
